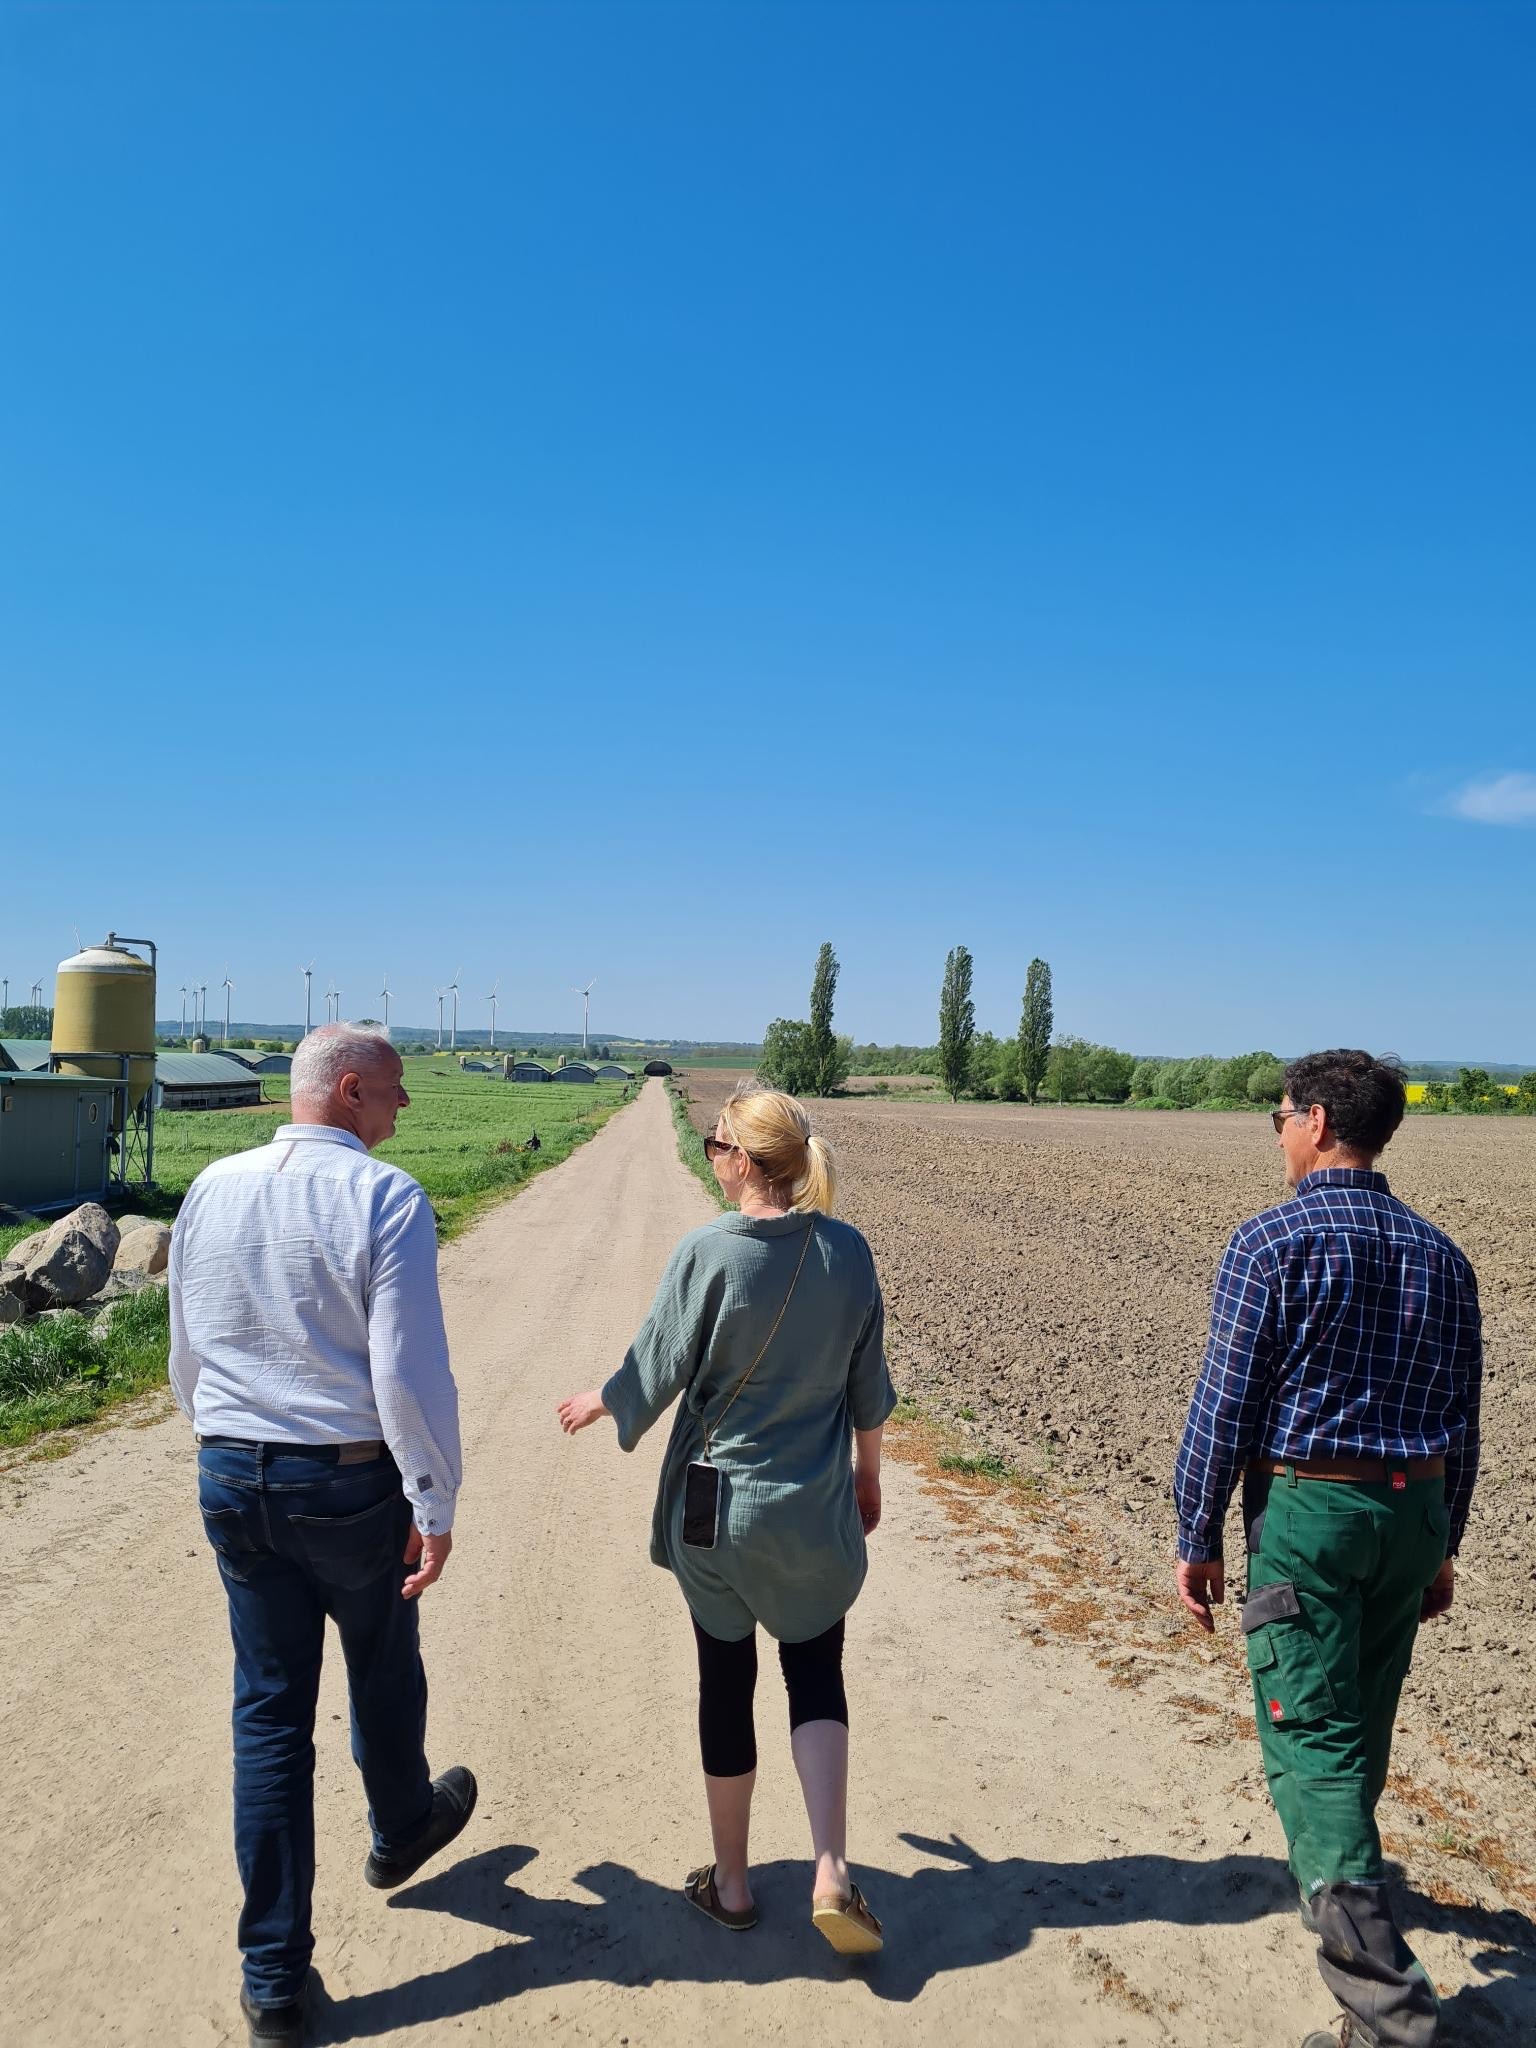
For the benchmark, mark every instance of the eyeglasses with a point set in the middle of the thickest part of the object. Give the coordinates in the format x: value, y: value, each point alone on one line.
x: 1278, y: 1117
x: 712, y: 1145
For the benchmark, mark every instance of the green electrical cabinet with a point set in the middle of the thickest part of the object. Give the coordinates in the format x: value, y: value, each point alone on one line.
x: 55, y: 1140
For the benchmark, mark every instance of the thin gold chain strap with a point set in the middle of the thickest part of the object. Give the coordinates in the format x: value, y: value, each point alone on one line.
x: 710, y: 1429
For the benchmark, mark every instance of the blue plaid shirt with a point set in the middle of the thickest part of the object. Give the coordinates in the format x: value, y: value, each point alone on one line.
x: 1343, y: 1326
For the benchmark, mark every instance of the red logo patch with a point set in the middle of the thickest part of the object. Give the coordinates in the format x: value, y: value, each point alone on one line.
x: 1276, y: 1711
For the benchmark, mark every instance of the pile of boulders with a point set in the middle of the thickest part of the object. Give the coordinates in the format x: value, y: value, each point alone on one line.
x: 82, y: 1263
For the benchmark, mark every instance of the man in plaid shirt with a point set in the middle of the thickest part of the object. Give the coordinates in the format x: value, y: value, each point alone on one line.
x: 1341, y: 1383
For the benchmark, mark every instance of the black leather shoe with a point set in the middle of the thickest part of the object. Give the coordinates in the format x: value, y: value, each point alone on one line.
x: 453, y: 1801
x: 273, y: 2026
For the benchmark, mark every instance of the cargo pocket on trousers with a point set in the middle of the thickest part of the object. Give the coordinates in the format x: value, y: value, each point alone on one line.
x: 351, y: 1551
x: 1289, y: 1675
x: 225, y: 1530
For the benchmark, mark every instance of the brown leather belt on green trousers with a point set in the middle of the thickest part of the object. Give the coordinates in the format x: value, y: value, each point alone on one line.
x: 1362, y: 1471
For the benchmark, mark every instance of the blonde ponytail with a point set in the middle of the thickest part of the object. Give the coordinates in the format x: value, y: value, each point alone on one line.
x: 776, y: 1135
x: 817, y: 1186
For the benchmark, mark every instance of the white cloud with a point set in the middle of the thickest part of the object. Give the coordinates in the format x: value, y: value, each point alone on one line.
x: 1496, y: 800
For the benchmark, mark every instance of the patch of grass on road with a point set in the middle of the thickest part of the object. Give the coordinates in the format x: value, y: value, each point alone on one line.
x: 690, y: 1146
x: 978, y: 1465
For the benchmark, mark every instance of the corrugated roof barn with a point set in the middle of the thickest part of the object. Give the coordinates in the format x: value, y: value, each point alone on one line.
x: 204, y: 1080
x: 24, y: 1055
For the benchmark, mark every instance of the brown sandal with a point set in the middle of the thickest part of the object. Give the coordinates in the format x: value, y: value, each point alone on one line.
x: 848, y: 1923
x: 699, y: 1890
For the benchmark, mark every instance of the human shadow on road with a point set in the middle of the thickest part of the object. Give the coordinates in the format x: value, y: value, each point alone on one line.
x: 958, y: 1911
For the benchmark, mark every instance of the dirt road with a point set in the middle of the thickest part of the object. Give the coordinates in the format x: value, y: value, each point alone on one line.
x: 1055, y: 1860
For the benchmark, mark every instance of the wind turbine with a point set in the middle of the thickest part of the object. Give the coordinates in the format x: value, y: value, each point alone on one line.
x: 585, y: 994
x: 332, y: 995
x: 308, y: 974
x: 5, y: 992
x: 37, y: 992
x: 491, y: 999
x: 183, y: 1010
x: 200, y: 1015
x: 440, y: 994
x: 384, y: 993
x: 229, y: 989
x: 453, y: 990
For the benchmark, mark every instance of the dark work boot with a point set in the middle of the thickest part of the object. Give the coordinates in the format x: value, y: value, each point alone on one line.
x: 1350, y: 2035
x: 453, y: 1801
x: 274, y: 2026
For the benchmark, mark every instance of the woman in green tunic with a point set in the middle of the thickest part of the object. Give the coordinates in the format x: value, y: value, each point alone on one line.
x: 769, y: 1324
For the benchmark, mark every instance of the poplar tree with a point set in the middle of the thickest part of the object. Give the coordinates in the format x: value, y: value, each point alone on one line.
x: 827, y: 1055
x: 1035, y: 1027
x: 957, y: 1021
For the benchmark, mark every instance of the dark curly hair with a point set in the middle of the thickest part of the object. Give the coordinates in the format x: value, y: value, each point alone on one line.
x: 1365, y: 1097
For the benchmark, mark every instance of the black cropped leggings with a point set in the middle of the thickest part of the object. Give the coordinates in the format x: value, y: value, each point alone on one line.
x: 813, y: 1674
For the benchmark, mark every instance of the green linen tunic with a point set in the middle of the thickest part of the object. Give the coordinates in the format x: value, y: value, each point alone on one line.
x: 790, y: 1551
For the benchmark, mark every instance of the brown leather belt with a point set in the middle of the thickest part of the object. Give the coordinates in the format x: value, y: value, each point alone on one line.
x: 1363, y: 1471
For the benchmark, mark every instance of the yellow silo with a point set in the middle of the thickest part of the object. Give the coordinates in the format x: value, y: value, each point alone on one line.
x: 104, y: 1002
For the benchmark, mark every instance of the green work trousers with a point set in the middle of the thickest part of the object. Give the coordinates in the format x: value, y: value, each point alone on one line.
x: 1336, y: 1574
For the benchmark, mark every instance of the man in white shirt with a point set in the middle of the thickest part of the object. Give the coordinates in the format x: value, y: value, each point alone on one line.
x: 307, y: 1348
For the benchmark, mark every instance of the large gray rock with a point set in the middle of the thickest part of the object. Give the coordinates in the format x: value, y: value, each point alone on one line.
x: 73, y: 1260
x: 129, y: 1281
x: 144, y: 1249
x: 23, y: 1251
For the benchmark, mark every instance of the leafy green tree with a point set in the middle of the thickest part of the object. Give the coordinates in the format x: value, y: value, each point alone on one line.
x: 1473, y: 1087
x: 1109, y: 1073
x: 786, y: 1060
x: 1067, y: 1069
x: 1526, y: 1092
x: 1231, y: 1077
x: 957, y: 1022
x: 1437, y: 1097
x: 26, y: 1020
x: 1267, y: 1081
x: 1036, y: 1024
x: 827, y: 1056
x: 1144, y: 1079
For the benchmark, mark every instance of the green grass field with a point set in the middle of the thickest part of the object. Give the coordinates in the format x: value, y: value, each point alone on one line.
x: 462, y: 1138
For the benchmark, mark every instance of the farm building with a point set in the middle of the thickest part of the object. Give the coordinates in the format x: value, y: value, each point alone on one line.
x: 525, y: 1070
x: 24, y: 1055
x: 574, y: 1070
x: 469, y: 1066
x: 654, y: 1067
x: 259, y: 1062
x: 204, y: 1080
x: 55, y: 1139
x: 610, y: 1070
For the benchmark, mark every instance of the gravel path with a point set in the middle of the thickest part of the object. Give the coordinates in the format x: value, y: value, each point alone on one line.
x: 1056, y: 1856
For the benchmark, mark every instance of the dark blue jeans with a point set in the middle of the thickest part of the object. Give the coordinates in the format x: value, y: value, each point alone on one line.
x: 300, y: 1537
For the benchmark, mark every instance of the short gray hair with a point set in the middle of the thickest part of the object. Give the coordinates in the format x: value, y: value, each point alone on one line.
x: 331, y: 1051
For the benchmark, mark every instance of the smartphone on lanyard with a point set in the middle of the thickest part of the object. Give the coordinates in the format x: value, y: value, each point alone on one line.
x: 701, y: 1506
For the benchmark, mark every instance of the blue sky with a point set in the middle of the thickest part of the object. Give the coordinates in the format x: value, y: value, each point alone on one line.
x: 632, y: 491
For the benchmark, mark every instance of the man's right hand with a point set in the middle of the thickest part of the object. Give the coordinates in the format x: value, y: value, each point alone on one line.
x: 432, y: 1553
x: 1202, y: 1586
x: 1440, y: 1592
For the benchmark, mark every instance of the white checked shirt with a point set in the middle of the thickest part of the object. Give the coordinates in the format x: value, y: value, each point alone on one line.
x: 304, y: 1309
